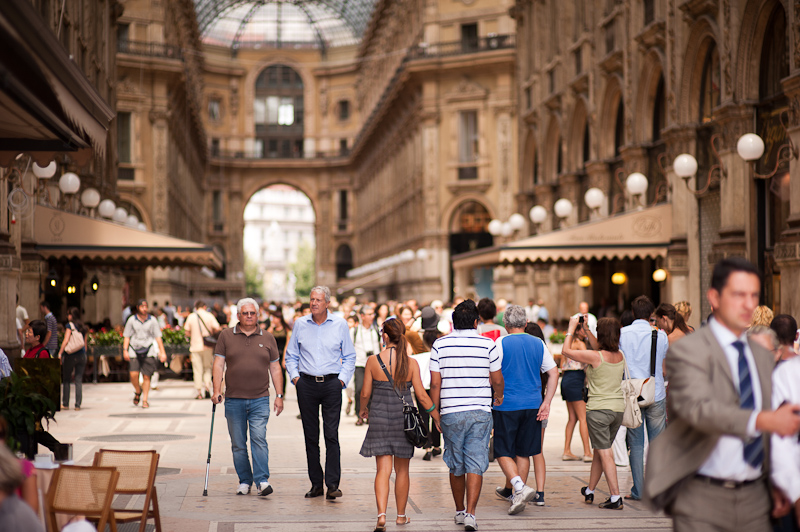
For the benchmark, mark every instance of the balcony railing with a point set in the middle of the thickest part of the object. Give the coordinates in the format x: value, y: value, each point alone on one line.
x: 258, y: 155
x: 150, y: 49
x: 466, y: 46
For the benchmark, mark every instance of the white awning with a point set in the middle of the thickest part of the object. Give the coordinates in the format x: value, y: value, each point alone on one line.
x: 62, y: 234
x: 638, y: 234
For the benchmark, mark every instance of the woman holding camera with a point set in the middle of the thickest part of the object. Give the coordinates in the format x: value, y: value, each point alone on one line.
x: 573, y: 377
x: 605, y: 407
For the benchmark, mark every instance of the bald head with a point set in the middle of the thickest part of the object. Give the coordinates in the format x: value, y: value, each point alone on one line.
x: 583, y: 308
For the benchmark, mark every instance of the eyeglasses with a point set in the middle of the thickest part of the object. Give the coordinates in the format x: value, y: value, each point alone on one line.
x: 247, y: 313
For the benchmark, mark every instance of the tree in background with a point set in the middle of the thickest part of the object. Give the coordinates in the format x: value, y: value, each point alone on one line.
x: 253, y: 285
x: 304, y: 270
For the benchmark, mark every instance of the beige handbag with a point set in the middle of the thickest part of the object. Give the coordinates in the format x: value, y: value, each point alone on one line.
x: 76, y: 342
x: 632, y: 417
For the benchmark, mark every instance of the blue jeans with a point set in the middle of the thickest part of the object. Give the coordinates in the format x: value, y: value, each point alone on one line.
x: 253, y: 412
x: 654, y: 417
x: 466, y: 441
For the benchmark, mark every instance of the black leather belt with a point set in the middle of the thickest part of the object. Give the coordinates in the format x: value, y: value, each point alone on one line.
x: 320, y: 378
x: 728, y: 484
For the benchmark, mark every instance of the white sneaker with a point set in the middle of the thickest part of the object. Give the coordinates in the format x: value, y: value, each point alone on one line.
x: 264, y: 489
x: 469, y: 523
x: 459, y: 518
x: 243, y: 489
x: 519, y: 499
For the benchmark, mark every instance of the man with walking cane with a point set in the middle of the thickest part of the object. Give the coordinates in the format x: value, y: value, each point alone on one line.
x: 251, y: 356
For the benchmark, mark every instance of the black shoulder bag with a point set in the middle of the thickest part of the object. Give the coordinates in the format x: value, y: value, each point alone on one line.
x: 416, y: 431
x: 211, y: 339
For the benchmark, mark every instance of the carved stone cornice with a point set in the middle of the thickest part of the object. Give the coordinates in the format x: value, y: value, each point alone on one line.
x: 695, y: 9
x: 653, y: 35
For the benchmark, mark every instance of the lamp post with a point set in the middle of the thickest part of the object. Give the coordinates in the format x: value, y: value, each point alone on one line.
x: 69, y: 184
x: 685, y: 166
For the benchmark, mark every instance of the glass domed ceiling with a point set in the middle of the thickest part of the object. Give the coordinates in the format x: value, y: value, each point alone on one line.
x: 283, y: 24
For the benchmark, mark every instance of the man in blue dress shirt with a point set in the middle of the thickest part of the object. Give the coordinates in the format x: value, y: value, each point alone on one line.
x: 635, y: 342
x: 320, y: 360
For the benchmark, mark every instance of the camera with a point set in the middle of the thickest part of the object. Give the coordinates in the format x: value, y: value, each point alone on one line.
x: 370, y: 353
x: 580, y: 320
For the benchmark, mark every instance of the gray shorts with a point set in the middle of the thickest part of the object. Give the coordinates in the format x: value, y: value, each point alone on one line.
x: 148, y: 366
x: 603, y: 426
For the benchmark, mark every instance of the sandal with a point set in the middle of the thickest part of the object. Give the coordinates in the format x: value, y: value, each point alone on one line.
x: 402, y: 519
x: 381, y: 527
x: 145, y: 404
x: 136, y: 398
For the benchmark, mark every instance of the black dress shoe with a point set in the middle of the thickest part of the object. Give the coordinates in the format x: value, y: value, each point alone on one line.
x: 436, y: 451
x: 588, y: 499
x: 315, y: 491
x: 333, y: 492
x: 427, y: 456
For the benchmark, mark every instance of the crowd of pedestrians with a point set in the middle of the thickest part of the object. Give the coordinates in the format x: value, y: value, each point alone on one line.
x: 485, y: 376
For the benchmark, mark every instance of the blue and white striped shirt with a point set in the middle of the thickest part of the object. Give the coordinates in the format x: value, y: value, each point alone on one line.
x: 464, y: 359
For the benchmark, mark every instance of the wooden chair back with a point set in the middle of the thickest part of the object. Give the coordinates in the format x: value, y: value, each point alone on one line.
x: 85, y: 491
x: 137, y: 475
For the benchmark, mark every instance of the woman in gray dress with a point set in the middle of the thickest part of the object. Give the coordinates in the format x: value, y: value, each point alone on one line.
x: 385, y: 439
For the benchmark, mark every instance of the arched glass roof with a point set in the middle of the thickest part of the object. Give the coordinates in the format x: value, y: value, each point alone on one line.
x: 283, y: 23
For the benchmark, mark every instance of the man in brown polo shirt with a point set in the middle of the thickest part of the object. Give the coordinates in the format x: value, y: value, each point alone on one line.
x: 251, y: 356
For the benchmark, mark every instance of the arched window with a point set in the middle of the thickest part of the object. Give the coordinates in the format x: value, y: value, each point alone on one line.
x: 278, y: 110
x: 344, y: 261
x: 774, y: 56
x: 659, y: 111
x: 709, y: 85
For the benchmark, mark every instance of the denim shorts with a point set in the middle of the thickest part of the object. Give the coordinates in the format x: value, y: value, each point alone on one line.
x: 466, y: 439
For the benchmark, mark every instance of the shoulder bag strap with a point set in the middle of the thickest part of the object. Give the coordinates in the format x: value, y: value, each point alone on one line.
x: 653, y: 353
x: 391, y: 381
x: 204, y: 324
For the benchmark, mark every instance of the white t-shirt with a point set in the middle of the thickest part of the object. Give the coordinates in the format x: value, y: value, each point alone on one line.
x: 464, y: 359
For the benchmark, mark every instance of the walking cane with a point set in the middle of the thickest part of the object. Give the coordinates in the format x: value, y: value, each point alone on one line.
x: 208, y: 462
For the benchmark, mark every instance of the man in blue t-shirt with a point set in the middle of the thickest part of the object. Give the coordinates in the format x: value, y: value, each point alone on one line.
x: 518, y: 421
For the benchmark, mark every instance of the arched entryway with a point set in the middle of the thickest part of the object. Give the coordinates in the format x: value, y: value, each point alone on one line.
x: 469, y: 231
x: 279, y: 243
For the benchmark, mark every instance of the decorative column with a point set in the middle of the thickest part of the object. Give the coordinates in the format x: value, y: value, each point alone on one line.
x: 787, y: 251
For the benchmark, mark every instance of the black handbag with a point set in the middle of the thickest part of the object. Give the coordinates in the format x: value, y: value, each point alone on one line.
x: 415, y: 430
x: 211, y: 339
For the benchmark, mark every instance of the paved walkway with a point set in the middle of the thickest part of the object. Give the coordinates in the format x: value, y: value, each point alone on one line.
x: 177, y: 426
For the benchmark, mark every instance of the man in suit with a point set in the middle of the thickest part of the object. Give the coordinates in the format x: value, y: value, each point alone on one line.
x: 708, y: 468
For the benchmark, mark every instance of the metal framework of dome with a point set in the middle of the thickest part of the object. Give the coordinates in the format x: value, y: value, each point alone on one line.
x: 283, y: 23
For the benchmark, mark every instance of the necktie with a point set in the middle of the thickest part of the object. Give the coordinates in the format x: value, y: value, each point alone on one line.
x: 753, y: 450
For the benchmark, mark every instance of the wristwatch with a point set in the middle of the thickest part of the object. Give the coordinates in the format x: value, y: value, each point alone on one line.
x: 279, y: 396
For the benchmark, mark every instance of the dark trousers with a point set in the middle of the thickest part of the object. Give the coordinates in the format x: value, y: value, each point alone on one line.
x: 358, y: 382
x: 434, y: 436
x: 69, y: 363
x: 310, y: 396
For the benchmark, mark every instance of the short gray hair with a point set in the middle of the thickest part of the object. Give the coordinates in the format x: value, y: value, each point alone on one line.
x: 325, y: 291
x: 246, y: 301
x: 515, y: 317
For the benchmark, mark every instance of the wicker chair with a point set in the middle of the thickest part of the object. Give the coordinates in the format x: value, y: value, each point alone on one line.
x: 137, y: 475
x: 85, y: 491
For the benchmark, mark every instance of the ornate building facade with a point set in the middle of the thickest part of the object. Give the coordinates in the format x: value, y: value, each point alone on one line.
x: 387, y: 125
x: 618, y: 87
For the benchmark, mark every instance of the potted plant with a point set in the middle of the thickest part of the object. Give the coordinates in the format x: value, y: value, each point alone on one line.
x: 105, y: 342
x: 23, y: 407
x: 175, y: 341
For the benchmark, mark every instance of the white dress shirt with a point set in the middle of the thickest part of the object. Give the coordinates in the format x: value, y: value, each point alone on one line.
x: 365, y: 340
x: 727, y: 461
x: 785, y: 452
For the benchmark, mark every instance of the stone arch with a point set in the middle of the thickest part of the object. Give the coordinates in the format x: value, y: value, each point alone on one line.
x: 612, y: 99
x: 553, y: 150
x: 144, y: 214
x: 309, y: 92
x: 257, y: 185
x: 575, y: 137
x: 456, y: 204
x: 704, y: 34
x: 751, y: 39
x: 651, y: 74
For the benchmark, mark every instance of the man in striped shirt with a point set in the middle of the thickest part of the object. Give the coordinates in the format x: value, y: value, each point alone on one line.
x: 466, y: 380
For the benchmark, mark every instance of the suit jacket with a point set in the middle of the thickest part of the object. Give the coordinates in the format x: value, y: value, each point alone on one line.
x: 703, y: 404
